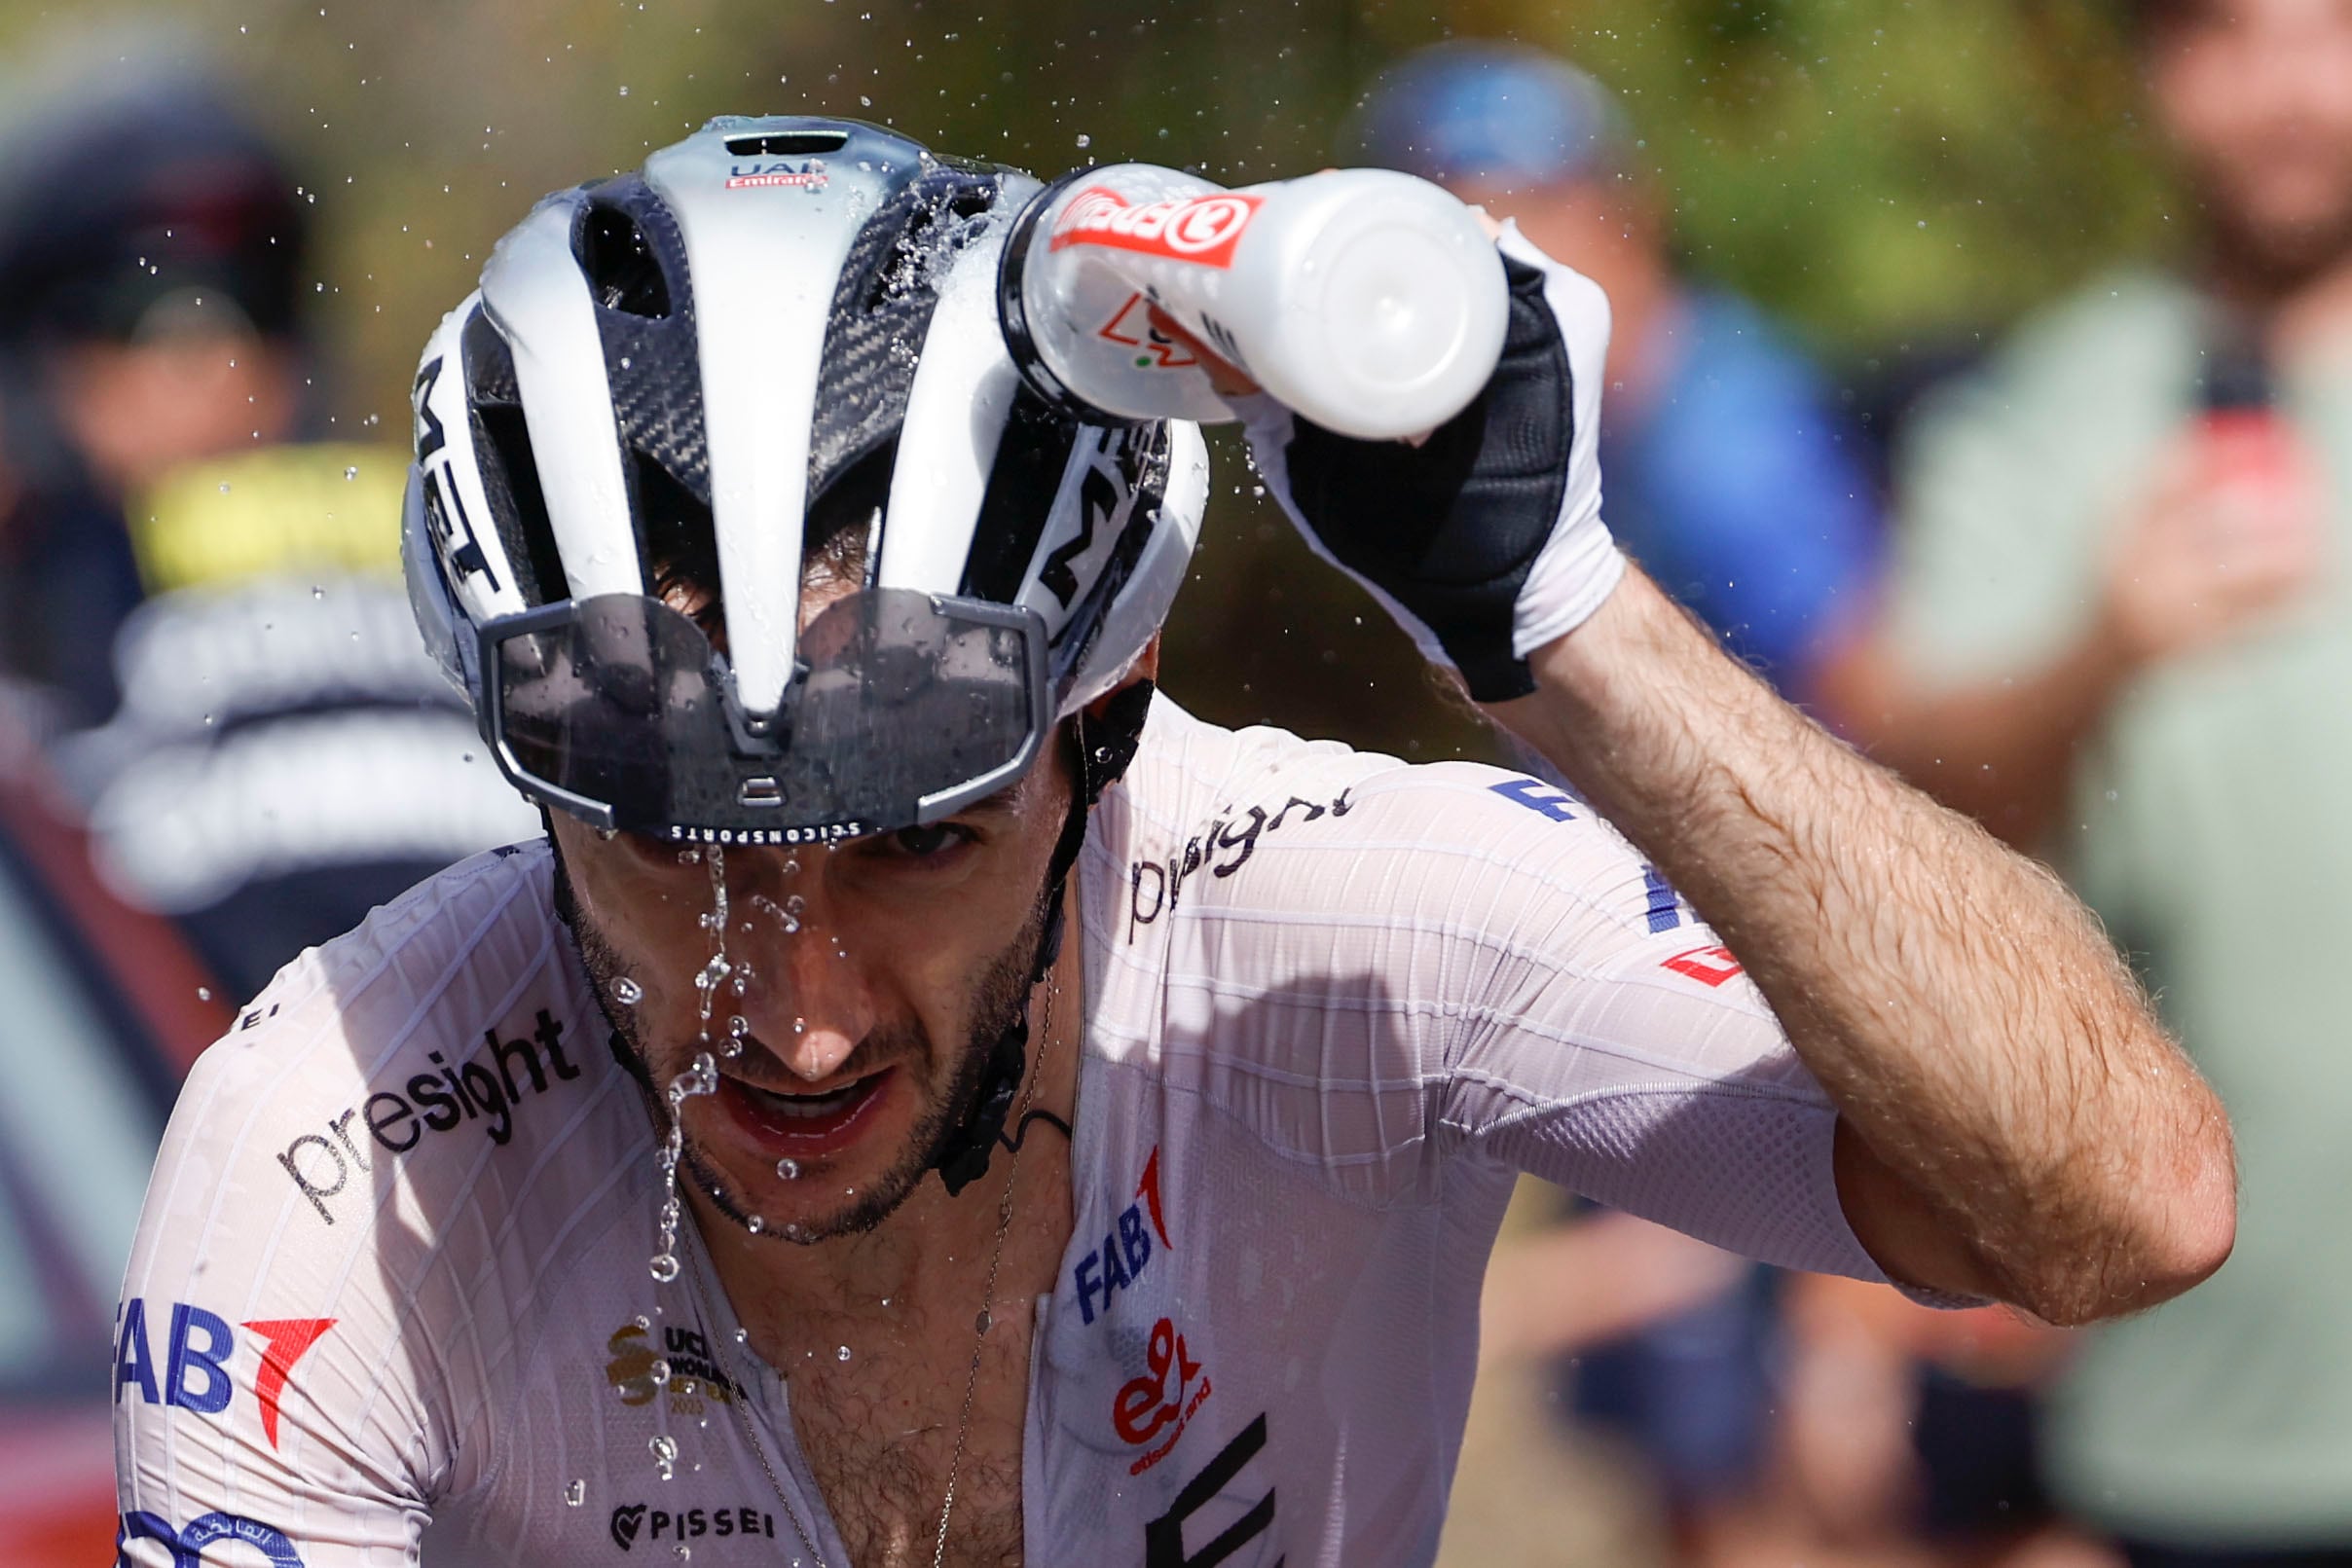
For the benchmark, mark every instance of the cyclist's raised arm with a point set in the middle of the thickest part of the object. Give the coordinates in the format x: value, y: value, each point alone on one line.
x: 2013, y: 1121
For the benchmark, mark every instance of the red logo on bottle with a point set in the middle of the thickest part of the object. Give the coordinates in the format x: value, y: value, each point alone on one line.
x: 1200, y: 228
x: 1131, y: 327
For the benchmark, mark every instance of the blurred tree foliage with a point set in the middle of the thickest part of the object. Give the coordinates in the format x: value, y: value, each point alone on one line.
x: 1881, y: 171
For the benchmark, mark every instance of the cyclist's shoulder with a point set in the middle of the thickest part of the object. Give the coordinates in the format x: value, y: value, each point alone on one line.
x: 441, y: 1064
x: 437, y: 975
x: 1204, y: 799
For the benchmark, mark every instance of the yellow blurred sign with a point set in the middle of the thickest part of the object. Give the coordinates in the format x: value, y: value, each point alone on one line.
x: 328, y: 507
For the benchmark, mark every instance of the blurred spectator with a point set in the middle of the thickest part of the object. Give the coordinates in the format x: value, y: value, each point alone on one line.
x: 1727, y: 475
x: 277, y: 756
x: 150, y: 244
x: 2118, y: 632
x: 1732, y: 483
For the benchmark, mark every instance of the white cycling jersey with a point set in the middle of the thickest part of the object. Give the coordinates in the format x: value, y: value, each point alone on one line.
x: 391, y: 1284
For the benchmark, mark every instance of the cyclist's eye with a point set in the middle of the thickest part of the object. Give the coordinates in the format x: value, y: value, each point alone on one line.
x: 930, y: 843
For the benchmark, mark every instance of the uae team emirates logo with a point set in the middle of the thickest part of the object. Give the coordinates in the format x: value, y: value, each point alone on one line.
x: 1202, y: 230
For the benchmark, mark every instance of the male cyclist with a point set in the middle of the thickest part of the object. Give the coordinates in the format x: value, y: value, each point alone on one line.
x: 1086, y: 1124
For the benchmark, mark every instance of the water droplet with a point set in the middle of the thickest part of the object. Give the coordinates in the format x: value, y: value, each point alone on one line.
x: 689, y: 856
x: 755, y: 1225
x: 665, y: 1452
x: 627, y: 992
x: 659, y: 1371
x: 576, y: 1494
x: 1086, y: 140
x: 624, y: 91
x: 842, y: 1354
x: 980, y: 1323
x: 684, y: 1552
x: 665, y: 1267
x: 351, y: 473
x: 224, y: 487
x: 741, y: 1334
x: 317, y: 592
x: 788, y: 1168
x: 203, y: 993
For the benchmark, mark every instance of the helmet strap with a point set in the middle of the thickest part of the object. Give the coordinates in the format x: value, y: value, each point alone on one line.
x: 1100, y: 751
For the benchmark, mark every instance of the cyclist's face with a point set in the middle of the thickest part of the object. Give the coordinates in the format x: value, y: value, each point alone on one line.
x: 2253, y: 94
x: 866, y: 982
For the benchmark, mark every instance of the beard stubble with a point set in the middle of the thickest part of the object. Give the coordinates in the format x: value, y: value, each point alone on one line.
x: 998, y: 999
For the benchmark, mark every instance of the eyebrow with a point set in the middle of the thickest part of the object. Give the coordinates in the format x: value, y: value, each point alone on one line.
x: 1000, y: 804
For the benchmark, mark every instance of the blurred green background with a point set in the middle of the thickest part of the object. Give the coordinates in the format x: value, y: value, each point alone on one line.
x: 1895, y: 177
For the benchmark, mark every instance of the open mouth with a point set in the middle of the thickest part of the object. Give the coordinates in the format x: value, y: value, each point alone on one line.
x: 804, y: 1126
x: 809, y: 1106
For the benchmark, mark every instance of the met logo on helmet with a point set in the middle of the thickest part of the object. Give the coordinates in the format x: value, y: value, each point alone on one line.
x: 444, y: 506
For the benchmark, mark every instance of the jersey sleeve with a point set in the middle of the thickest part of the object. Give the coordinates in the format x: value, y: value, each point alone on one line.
x: 265, y: 1391
x: 1613, y: 1045
x: 1400, y: 976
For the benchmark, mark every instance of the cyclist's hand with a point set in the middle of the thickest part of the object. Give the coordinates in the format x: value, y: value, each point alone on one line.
x: 2232, y: 531
x: 1483, y: 539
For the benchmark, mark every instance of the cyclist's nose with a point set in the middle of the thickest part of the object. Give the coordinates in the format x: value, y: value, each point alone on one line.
x: 817, y: 1002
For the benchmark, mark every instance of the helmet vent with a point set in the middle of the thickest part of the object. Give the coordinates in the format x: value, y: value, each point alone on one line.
x: 936, y: 231
x: 622, y: 267
x: 787, y: 143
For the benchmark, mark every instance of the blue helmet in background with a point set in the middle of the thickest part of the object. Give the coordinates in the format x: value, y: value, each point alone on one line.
x: 1489, y: 114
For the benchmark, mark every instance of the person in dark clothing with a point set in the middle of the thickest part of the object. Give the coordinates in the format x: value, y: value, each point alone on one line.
x: 199, y: 601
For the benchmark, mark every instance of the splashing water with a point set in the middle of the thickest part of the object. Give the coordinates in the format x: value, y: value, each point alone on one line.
x: 702, y: 1076
x: 706, y: 982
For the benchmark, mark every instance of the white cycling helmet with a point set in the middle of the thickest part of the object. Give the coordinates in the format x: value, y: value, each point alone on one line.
x: 666, y: 375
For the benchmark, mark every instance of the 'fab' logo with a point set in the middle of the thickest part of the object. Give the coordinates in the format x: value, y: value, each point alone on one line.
x: 195, y: 1373
x: 1127, y: 1250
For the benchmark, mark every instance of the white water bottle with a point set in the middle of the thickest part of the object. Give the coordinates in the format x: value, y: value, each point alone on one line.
x: 1367, y: 300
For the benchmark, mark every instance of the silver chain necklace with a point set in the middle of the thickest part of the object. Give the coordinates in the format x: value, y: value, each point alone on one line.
x: 981, y: 1324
